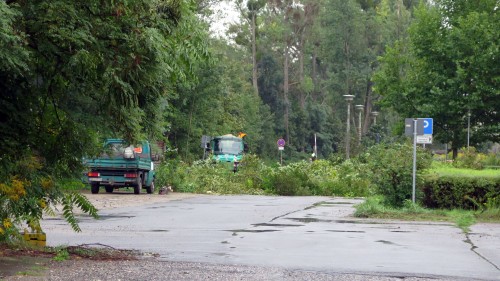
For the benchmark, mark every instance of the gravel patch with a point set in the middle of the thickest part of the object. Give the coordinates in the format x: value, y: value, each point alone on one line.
x: 164, y: 270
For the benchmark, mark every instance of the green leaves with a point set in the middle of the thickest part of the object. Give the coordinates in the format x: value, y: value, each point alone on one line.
x: 72, y: 72
x: 446, y: 70
x: 75, y: 199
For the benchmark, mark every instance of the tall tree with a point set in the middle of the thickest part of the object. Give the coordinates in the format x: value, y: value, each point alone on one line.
x: 450, y: 70
x: 76, y: 71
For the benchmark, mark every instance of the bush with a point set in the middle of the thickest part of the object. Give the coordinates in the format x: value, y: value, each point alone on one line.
x: 290, y: 180
x: 391, y: 169
x: 460, y: 191
x: 491, y: 159
x: 469, y: 159
x: 207, y: 176
x: 349, y: 179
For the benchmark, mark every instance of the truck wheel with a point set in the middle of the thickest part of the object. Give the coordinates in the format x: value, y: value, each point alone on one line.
x: 94, y: 188
x: 150, y: 189
x: 109, y: 189
x: 138, y: 186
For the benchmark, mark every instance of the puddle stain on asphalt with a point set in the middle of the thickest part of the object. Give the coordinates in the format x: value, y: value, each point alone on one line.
x: 107, y: 217
x: 347, y: 231
x: 236, y: 231
x: 276, y: 225
x: 387, y: 242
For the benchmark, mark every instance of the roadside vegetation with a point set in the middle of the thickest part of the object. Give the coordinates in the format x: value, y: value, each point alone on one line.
x: 382, y: 174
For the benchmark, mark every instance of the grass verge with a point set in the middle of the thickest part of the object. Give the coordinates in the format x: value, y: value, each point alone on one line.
x: 373, y: 208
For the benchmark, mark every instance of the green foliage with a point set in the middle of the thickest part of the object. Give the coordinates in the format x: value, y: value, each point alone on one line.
x: 373, y: 207
x: 61, y: 255
x: 320, y: 177
x: 391, y: 169
x: 72, y: 73
x: 290, y: 180
x: 469, y: 159
x: 207, y: 176
x: 447, y: 169
x: 447, y: 69
x: 29, y: 192
x: 459, y: 191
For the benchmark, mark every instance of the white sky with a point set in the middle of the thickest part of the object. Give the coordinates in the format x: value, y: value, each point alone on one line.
x: 224, y: 14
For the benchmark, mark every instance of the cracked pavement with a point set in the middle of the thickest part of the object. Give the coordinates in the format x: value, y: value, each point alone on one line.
x: 315, y: 234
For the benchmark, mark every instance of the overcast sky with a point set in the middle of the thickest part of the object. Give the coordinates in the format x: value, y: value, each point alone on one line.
x: 224, y: 14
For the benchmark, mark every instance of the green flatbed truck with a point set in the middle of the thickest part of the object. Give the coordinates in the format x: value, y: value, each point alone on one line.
x: 122, y: 165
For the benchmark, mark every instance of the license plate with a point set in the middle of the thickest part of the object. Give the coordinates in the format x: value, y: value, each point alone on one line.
x: 95, y: 179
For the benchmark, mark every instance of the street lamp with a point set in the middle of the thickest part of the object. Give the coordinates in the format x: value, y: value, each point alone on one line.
x: 468, y: 129
x: 359, y: 108
x: 349, y: 99
x: 374, y: 115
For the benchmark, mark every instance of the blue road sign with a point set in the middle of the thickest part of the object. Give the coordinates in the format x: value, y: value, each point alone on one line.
x: 427, y: 126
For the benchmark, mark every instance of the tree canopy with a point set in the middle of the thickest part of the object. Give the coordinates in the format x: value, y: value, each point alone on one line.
x: 448, y: 69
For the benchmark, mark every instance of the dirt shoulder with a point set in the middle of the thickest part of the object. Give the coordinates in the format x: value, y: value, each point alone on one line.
x: 119, y: 199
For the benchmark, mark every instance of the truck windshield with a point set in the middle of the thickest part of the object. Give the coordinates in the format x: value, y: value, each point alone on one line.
x: 228, y: 146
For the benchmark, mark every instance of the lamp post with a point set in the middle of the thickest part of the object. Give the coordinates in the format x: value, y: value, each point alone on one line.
x: 468, y: 129
x: 359, y: 108
x: 374, y: 115
x: 349, y: 99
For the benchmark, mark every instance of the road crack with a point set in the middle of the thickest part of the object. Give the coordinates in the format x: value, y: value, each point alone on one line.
x: 473, y: 249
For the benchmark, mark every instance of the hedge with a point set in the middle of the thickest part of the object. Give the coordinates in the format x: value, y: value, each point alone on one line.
x: 459, y: 191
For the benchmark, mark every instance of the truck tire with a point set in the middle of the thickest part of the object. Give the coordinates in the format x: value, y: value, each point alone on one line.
x: 150, y: 189
x: 109, y: 189
x: 138, y: 186
x: 94, y: 188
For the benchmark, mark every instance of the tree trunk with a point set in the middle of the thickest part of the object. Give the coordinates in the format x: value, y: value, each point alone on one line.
x: 254, y: 58
x: 314, y: 73
x: 455, y: 153
x: 302, y: 96
x: 368, y: 106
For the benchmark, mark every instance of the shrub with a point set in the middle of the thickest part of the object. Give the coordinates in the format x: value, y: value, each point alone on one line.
x: 349, y: 178
x: 460, y: 191
x: 469, y: 158
x: 491, y: 159
x: 391, y: 169
x: 30, y: 191
x: 290, y: 180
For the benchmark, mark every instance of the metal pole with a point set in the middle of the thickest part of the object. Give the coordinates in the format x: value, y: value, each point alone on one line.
x: 468, y: 129
x: 347, y: 145
x: 359, y: 127
x: 349, y: 99
x: 414, y: 158
x: 281, y: 157
x: 315, y: 147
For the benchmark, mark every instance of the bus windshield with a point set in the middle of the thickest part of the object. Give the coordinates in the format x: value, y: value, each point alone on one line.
x: 228, y: 146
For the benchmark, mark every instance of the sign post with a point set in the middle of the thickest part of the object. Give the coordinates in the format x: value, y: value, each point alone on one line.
x: 421, y: 130
x: 414, y: 160
x: 281, y: 147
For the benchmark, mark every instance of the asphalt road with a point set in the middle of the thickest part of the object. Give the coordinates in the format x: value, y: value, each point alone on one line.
x: 308, y: 234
